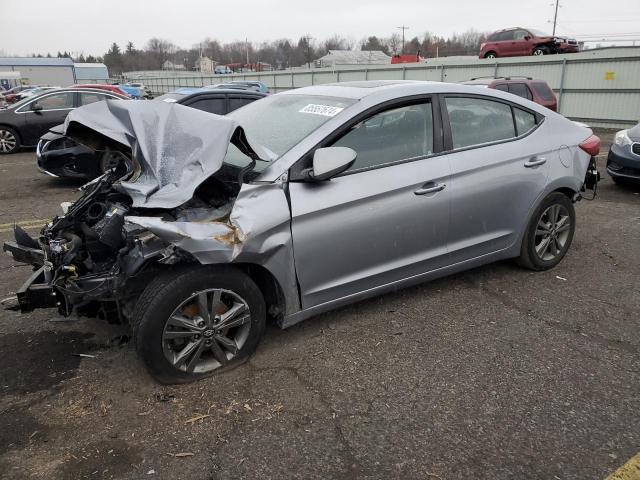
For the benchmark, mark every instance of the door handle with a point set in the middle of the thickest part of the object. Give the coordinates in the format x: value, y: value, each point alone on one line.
x: 535, y: 161
x: 431, y: 189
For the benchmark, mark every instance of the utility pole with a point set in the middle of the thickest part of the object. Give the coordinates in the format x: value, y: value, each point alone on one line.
x: 308, y: 41
x: 555, y: 17
x: 403, y: 28
x: 246, y: 44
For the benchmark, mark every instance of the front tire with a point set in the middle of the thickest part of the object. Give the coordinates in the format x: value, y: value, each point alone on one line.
x: 9, y: 141
x: 195, y: 322
x: 549, y: 233
x: 541, y: 50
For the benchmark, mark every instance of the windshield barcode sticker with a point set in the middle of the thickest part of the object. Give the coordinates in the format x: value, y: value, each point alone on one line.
x: 325, y: 110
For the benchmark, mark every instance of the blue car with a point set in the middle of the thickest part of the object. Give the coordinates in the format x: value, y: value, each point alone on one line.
x: 133, y: 92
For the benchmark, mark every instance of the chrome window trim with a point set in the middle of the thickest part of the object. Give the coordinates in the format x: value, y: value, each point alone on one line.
x: 21, y: 109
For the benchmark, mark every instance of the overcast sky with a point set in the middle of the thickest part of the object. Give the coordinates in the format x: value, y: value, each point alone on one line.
x: 81, y: 26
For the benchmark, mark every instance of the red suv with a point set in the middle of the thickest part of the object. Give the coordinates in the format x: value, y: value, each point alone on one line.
x: 537, y: 91
x: 517, y: 42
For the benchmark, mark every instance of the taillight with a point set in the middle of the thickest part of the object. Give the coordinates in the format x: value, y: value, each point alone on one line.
x: 591, y: 145
x: 482, y: 45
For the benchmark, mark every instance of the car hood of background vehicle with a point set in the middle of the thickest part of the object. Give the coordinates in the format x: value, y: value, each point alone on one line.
x: 634, y: 133
x: 177, y: 147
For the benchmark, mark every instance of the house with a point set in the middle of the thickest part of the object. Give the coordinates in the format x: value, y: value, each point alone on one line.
x: 205, y: 65
x: 169, y: 65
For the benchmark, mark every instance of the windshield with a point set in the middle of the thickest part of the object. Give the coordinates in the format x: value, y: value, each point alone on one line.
x: 539, y: 33
x: 279, y: 122
x: 170, y: 97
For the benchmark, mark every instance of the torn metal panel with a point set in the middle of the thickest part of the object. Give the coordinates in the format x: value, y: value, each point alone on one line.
x: 257, y: 231
x: 177, y: 147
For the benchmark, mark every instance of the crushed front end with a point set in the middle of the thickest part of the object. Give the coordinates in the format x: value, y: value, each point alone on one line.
x: 96, y: 258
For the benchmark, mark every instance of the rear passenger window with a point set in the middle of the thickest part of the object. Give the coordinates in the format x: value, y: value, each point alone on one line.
x: 390, y: 136
x: 475, y: 121
x: 502, y: 36
x: 237, y: 102
x: 211, y: 105
x: 525, y: 121
x: 502, y: 87
x: 544, y: 91
x: 521, y: 90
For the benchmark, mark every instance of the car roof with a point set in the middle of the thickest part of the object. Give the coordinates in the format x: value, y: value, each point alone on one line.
x: 79, y: 89
x: 380, y: 90
x: 490, y: 80
x: 222, y: 91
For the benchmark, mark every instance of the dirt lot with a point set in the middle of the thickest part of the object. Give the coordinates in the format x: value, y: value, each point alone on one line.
x: 496, y: 373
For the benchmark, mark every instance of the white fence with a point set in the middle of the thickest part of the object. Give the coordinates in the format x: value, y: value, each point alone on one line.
x: 599, y: 87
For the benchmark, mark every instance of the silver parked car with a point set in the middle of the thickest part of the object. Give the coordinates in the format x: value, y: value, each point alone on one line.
x: 297, y: 204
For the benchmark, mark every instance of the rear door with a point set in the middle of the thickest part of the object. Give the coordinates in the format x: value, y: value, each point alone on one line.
x: 385, y: 219
x: 498, y: 171
x: 55, y: 107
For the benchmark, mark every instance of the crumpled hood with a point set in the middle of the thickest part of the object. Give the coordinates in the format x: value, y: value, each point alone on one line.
x: 177, y: 147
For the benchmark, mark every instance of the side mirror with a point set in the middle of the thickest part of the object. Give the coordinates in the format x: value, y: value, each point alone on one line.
x: 35, y: 107
x: 330, y: 161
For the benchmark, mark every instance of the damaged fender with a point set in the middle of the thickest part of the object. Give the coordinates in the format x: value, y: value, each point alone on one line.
x: 258, y: 231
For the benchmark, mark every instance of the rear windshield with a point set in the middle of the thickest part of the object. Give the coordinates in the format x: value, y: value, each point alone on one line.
x: 544, y: 91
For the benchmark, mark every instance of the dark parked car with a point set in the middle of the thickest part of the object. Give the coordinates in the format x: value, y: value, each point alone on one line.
x: 623, y: 161
x: 537, y: 91
x: 517, y: 42
x: 243, y: 85
x: 60, y: 156
x: 23, y: 123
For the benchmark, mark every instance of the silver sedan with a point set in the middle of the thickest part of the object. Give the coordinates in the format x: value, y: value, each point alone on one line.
x: 302, y: 202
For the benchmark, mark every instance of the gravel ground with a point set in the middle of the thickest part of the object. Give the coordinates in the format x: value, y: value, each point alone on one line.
x: 495, y: 373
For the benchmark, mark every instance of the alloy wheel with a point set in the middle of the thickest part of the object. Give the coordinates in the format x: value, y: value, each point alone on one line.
x: 538, y: 52
x: 206, y: 331
x: 8, y: 141
x: 552, y: 232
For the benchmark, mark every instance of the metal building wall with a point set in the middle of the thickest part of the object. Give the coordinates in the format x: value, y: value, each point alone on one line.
x: 61, y: 76
x: 600, y: 87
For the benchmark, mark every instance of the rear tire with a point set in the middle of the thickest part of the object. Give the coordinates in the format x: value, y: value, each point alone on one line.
x: 9, y: 141
x: 549, y: 233
x: 180, y: 344
x: 490, y: 55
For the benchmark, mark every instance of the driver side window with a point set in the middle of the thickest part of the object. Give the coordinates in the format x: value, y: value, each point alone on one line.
x: 391, y: 136
x: 55, y: 102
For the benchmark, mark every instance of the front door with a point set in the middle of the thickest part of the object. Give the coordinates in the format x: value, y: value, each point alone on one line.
x: 384, y: 220
x: 54, y: 110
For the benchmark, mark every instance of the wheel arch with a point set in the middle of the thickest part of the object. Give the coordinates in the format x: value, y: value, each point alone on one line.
x: 13, y: 127
x: 274, y: 297
x: 558, y: 186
